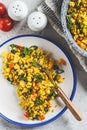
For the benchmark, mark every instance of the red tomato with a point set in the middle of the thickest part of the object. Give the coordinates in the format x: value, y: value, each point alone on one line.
x: 6, y: 24
x: 2, y: 9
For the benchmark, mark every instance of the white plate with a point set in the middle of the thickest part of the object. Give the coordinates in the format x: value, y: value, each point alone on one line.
x: 9, y: 108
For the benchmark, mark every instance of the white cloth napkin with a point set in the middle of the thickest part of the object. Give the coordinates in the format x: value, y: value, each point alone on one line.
x: 52, y: 8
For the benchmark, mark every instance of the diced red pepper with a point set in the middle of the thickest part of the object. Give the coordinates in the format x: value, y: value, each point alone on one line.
x: 26, y: 114
x: 19, y: 47
x: 42, y: 117
x: 62, y: 61
x: 58, y: 77
x: 50, y: 64
x: 10, y: 57
x: 11, y: 65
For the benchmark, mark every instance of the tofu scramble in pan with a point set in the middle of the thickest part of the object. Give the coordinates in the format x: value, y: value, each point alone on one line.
x: 23, y: 67
x: 77, y: 21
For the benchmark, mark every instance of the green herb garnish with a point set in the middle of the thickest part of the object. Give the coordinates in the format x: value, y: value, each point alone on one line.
x: 38, y: 101
x: 38, y: 77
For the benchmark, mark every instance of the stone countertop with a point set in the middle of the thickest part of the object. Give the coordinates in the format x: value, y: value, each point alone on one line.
x: 66, y: 121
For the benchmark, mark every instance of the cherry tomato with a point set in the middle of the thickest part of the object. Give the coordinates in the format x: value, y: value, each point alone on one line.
x: 6, y: 24
x: 2, y: 9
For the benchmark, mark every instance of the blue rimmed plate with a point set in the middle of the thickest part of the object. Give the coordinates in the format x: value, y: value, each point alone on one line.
x: 9, y: 108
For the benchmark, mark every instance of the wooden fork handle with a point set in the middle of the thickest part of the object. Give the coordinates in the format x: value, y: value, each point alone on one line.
x: 69, y: 104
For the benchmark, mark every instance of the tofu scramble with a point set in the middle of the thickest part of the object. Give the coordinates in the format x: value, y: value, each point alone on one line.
x: 77, y: 21
x: 23, y: 67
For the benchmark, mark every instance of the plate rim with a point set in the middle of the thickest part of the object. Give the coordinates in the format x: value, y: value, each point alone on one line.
x: 74, y: 81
